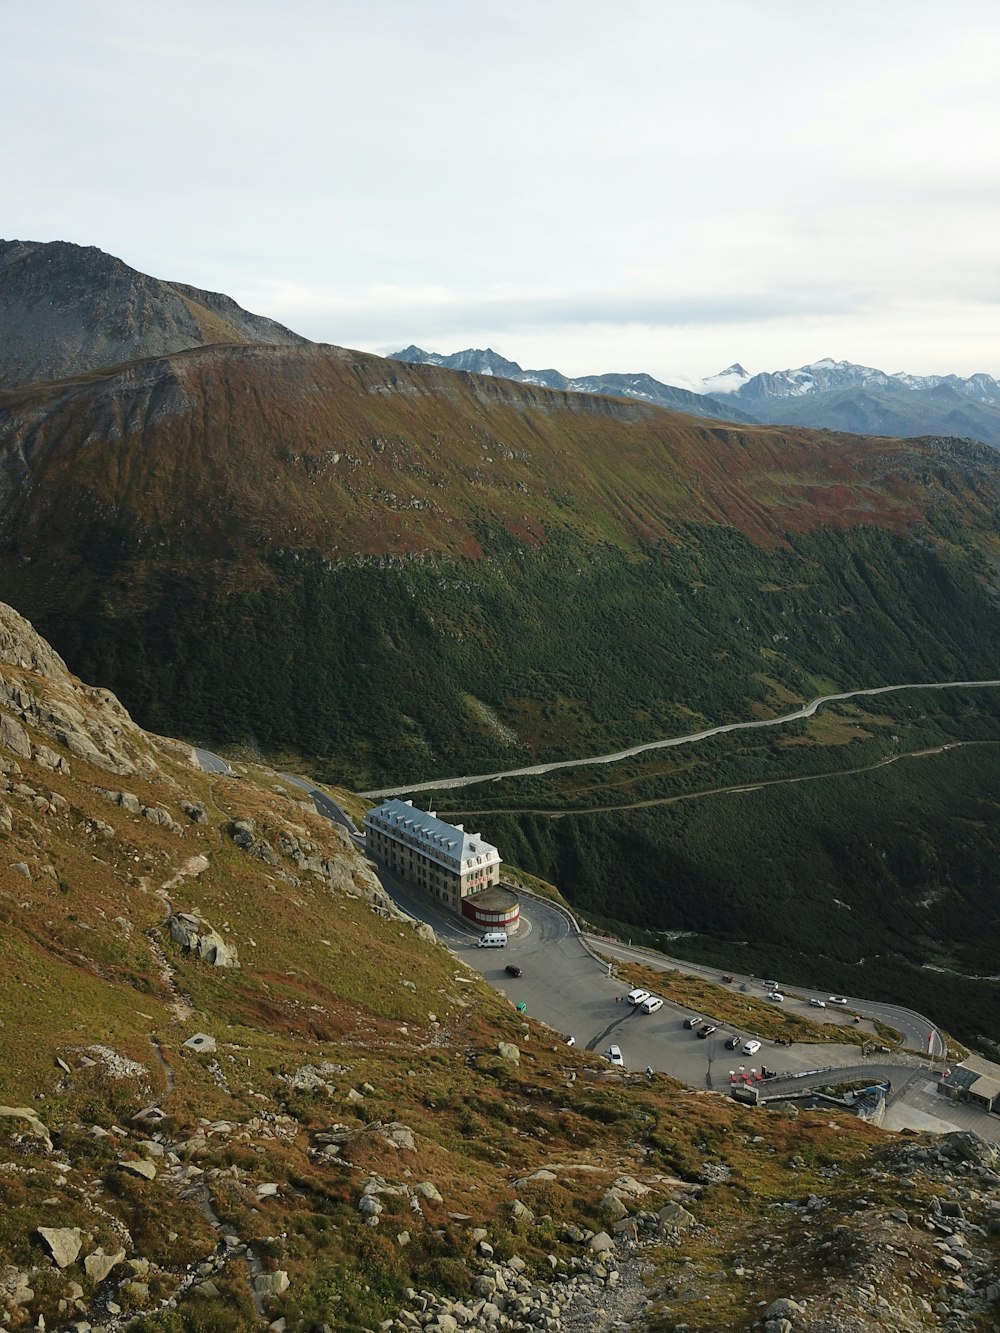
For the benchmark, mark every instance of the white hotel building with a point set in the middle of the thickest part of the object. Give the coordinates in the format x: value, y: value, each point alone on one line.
x: 446, y: 861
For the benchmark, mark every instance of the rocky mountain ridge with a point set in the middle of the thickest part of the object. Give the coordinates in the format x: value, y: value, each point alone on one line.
x: 827, y: 394
x: 238, y: 1088
x: 643, y: 388
x: 67, y: 310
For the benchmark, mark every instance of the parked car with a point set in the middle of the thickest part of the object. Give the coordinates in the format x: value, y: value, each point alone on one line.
x: 637, y: 996
x: 838, y: 999
x: 706, y: 1029
x: 769, y: 985
x: 776, y: 995
x: 751, y: 1047
x: 512, y: 970
x: 693, y: 1020
x: 651, y: 1004
x: 818, y: 1004
x: 727, y: 979
x: 732, y: 1042
x: 615, y: 1056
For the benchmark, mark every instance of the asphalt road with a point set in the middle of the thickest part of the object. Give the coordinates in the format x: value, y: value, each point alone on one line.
x: 807, y: 710
x: 915, y: 1030
x: 212, y: 763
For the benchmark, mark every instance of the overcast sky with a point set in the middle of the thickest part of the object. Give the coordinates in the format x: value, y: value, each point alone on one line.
x: 648, y: 186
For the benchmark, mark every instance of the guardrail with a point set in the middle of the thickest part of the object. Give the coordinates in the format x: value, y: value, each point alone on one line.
x: 564, y: 911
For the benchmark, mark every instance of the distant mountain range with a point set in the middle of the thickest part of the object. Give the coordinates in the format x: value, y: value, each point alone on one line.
x: 641, y: 386
x: 69, y: 309
x: 832, y: 395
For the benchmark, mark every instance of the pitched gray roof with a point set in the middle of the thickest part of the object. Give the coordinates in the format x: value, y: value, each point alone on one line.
x: 449, y: 844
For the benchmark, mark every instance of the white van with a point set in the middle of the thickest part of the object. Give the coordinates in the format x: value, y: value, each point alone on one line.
x: 637, y: 996
x: 493, y: 939
x: 650, y: 1005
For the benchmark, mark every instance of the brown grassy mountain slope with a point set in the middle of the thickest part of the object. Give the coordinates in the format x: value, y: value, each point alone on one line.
x: 66, y: 309
x: 344, y: 1111
x: 227, y: 452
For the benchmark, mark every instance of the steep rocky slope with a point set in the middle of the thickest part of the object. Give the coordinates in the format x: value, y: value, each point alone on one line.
x: 69, y: 309
x: 236, y: 1088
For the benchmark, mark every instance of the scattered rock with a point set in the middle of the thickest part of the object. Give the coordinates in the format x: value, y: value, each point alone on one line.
x: 99, y: 1264
x: 196, y: 936
x: 34, y: 1124
x: 64, y: 1243
x: 140, y: 1168
x: 271, y: 1284
x: 13, y: 737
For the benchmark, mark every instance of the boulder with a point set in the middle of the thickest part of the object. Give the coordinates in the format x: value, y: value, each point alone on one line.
x: 271, y: 1284
x: 508, y: 1051
x: 64, y: 1243
x: 784, y: 1308
x: 196, y: 936
x: 99, y: 1264
x: 601, y: 1243
x: 612, y: 1207
x: 140, y: 1168
x: 34, y: 1124
x: 13, y: 736
x: 400, y: 1136
x: 676, y: 1217
x: 968, y: 1146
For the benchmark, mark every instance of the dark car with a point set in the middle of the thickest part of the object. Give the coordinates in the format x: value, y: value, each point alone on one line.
x: 706, y: 1029
x: 512, y: 970
x: 732, y: 1042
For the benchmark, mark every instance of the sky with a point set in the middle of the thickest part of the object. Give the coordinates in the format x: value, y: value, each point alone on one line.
x: 652, y: 186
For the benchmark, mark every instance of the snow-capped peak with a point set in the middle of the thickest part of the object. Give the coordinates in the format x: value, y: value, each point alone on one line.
x: 730, y: 380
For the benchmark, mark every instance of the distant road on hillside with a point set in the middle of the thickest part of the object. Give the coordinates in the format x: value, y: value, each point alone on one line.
x: 212, y: 763
x: 807, y: 710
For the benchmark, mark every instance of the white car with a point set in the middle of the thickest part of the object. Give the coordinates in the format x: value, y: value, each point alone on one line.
x: 751, y: 1048
x: 616, y: 1057
x: 650, y: 1004
x: 637, y: 996
x: 838, y: 999
x: 818, y: 1004
x: 776, y: 995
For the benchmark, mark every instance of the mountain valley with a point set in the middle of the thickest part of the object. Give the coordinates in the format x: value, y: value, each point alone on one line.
x: 241, y: 1087
x: 388, y: 573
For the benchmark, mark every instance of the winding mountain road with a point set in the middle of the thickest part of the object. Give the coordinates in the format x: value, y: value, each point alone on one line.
x: 807, y: 710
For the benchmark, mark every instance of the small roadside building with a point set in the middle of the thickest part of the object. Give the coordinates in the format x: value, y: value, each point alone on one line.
x: 975, y: 1080
x: 458, y: 868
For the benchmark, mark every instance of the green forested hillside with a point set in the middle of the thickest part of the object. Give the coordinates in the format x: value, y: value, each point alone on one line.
x: 393, y: 672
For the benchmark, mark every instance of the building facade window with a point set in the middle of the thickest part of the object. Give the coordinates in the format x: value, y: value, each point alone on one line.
x: 453, y: 863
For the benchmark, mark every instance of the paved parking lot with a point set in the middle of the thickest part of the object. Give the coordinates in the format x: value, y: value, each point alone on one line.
x: 922, y: 1107
x: 564, y: 985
